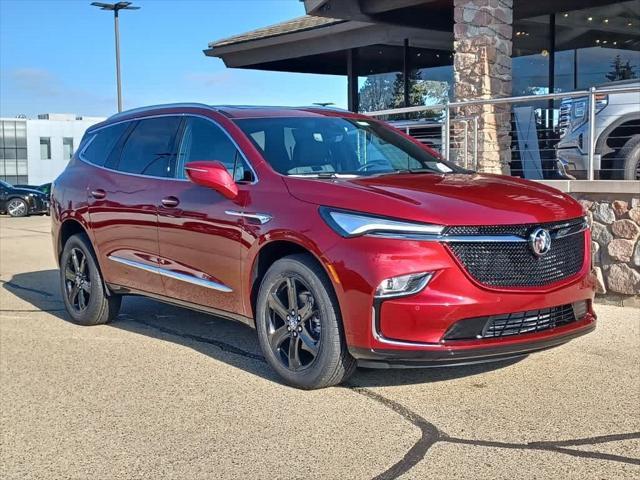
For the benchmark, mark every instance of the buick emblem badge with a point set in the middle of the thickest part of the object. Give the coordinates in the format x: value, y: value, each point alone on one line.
x: 540, y: 242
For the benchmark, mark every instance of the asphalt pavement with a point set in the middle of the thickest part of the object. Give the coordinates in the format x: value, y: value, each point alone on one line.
x: 164, y: 392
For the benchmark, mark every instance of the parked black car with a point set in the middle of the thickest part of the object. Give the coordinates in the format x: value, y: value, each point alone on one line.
x: 20, y: 202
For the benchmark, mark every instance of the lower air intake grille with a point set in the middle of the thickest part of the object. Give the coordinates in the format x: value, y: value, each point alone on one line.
x: 518, y: 323
x: 527, y: 322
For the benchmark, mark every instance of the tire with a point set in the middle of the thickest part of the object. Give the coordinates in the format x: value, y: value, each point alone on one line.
x: 316, y: 325
x: 83, y: 291
x: 17, y: 207
x: 630, y: 155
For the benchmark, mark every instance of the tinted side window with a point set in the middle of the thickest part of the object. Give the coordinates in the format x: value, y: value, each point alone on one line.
x: 149, y: 148
x: 203, y: 140
x: 102, y: 143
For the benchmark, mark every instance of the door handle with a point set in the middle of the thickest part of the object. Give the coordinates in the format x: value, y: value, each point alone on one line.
x: 98, y: 194
x: 170, y: 202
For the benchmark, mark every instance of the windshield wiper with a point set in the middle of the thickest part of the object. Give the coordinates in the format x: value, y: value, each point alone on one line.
x: 324, y: 175
x: 413, y: 170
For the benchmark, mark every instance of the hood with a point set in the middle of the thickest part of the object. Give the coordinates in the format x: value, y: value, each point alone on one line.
x: 27, y: 191
x: 451, y: 199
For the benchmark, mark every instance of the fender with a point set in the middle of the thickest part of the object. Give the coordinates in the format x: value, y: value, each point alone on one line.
x: 250, y: 264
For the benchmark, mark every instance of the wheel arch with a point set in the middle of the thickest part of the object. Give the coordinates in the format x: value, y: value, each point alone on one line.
x: 276, y: 249
x: 68, y: 228
x: 18, y: 196
x: 622, y: 123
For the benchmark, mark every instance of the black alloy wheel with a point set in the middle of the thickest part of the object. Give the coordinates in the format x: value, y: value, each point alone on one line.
x: 299, y: 324
x: 85, y: 296
x: 77, y: 281
x: 294, y: 324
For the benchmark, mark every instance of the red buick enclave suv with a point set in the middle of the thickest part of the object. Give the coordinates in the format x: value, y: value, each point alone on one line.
x: 342, y: 240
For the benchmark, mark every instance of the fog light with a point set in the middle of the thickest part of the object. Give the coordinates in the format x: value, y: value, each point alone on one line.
x: 403, y: 285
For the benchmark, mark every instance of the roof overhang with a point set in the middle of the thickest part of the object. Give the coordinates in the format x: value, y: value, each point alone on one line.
x: 396, y: 10
x: 322, y: 47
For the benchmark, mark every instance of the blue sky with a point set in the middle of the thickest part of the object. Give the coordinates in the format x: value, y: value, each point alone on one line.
x: 58, y: 56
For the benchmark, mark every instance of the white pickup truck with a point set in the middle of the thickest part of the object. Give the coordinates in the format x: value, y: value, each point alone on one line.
x: 617, y: 133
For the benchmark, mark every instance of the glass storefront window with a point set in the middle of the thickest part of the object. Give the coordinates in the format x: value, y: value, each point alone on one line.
x: 565, y: 71
x: 597, y: 65
x: 380, y: 91
x: 530, y: 75
x: 435, y: 85
x: 593, y: 46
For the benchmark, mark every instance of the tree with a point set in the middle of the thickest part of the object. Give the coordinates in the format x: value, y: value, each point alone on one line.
x: 620, y: 70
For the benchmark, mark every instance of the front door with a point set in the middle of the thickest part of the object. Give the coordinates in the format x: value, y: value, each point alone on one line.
x: 123, y: 202
x: 200, y: 242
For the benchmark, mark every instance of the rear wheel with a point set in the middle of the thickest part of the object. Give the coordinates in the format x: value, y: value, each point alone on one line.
x: 17, y: 207
x: 299, y: 325
x: 630, y: 155
x: 83, y: 291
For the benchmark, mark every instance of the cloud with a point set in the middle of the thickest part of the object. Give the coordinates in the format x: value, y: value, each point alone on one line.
x: 35, y: 81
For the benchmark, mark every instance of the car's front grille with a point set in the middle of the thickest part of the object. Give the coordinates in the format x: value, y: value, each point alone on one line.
x: 564, y: 118
x: 512, y: 264
x: 518, y: 323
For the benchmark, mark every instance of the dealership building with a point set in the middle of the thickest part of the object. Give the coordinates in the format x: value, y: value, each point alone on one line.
x: 403, y: 53
x: 35, y: 151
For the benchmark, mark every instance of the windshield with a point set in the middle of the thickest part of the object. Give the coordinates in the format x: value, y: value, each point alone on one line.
x: 5, y: 184
x: 334, y: 146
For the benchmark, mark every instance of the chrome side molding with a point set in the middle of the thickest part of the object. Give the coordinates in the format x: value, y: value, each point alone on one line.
x: 169, y: 274
x: 260, y: 217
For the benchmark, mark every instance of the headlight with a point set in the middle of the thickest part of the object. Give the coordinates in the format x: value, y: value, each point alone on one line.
x: 403, y: 285
x: 351, y: 224
x: 579, y: 109
x: 581, y: 106
x: 602, y: 101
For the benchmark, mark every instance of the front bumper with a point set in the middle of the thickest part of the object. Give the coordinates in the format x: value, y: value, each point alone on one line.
x: 38, y: 206
x: 411, y: 330
x: 473, y: 352
x: 575, y: 162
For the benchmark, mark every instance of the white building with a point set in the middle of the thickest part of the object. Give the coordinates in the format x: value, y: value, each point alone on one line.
x: 35, y: 151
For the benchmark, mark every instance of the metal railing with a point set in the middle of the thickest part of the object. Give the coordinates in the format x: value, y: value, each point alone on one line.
x: 459, y: 131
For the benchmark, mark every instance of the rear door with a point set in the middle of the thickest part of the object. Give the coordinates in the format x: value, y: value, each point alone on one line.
x: 124, y: 199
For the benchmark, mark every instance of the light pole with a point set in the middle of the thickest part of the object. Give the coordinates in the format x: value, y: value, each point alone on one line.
x: 116, y: 7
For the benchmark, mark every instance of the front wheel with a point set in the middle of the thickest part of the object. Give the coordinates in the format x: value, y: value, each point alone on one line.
x: 299, y: 325
x: 630, y: 154
x: 17, y: 207
x: 83, y: 291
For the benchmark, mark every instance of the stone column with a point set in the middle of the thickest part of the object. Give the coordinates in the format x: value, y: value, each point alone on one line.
x: 482, y: 69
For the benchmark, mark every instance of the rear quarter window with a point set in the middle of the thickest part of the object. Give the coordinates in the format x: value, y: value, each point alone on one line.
x: 101, y: 143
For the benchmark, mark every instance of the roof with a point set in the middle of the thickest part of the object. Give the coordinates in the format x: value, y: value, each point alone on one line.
x: 299, y: 24
x: 230, y: 111
x: 252, y: 111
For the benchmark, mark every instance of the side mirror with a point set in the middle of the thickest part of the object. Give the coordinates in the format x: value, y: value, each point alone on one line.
x: 213, y: 175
